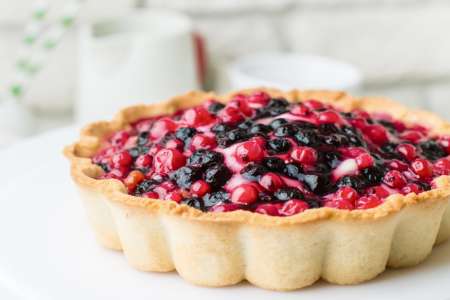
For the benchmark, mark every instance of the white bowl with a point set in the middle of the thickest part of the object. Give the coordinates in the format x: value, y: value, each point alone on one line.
x: 288, y: 71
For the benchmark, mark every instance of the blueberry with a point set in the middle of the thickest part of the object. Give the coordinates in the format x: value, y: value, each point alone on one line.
x: 212, y: 199
x: 185, y: 133
x: 303, y: 125
x: 347, y: 115
x: 276, y: 107
x: 332, y: 159
x: 355, y: 182
x: 217, y: 175
x: 274, y: 164
x: 431, y: 150
x: 388, y: 150
x: 388, y: 125
x: 328, y: 129
x: 142, y: 138
x: 220, y: 128
x: 307, y: 138
x: 279, y: 145
x: 215, y: 107
x: 136, y: 151
x: 425, y: 186
x: 245, y: 125
x: 277, y: 123
x: 104, y: 167
x: 285, y: 130
x: 353, y: 136
x: 185, y: 176
x: 194, y: 202
x: 335, y: 140
x: 253, y: 171
x: 260, y: 129
x: 202, y: 158
x: 292, y: 170
x: 264, y: 197
x: 317, y: 183
x: 231, y: 137
x: 288, y: 193
x: 145, y: 186
x: 373, y: 175
x: 313, y: 203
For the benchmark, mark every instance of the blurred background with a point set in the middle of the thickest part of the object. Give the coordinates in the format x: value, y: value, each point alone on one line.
x: 395, y: 48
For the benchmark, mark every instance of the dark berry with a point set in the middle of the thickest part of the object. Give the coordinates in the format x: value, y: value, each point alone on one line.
x: 373, y: 175
x: 253, y: 171
x: 299, y: 125
x: 335, y: 140
x: 328, y: 128
x: 279, y: 145
x: 203, y: 157
x: 274, y: 164
x: 194, y: 202
x: 277, y: 107
x: 288, y: 193
x: 388, y: 125
x: 220, y: 128
x: 215, y: 107
x: 388, y: 150
x: 212, y: 199
x: 432, y: 150
x: 146, y: 186
x: 259, y: 129
x: 307, y: 138
x: 142, y: 138
x: 292, y: 170
x: 217, y: 175
x: 231, y: 137
x: 332, y: 159
x: 317, y: 183
x: 136, y: 151
x: 277, y: 123
x: 355, y: 182
x: 185, y: 133
x: 185, y: 176
x: 285, y: 130
x: 104, y: 167
x: 246, y: 124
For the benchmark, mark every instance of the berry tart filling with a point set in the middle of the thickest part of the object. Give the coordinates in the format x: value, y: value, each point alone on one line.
x: 269, y: 156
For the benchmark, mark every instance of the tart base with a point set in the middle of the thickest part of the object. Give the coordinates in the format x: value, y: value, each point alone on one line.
x: 220, y: 249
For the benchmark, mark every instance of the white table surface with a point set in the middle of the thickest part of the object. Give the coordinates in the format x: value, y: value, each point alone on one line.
x: 48, y: 251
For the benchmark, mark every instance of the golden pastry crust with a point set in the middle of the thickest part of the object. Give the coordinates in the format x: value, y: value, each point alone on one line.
x: 281, y: 253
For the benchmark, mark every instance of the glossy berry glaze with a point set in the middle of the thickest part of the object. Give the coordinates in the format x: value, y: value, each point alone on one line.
x: 271, y: 157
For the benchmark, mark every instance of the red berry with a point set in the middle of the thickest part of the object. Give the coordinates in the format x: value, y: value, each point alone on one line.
x: 224, y: 207
x: 399, y: 126
x: 164, y: 189
x: 143, y: 161
x: 152, y: 195
x: 242, y: 106
x: 394, y: 179
x: 118, y: 173
x: 197, y: 116
x: 167, y: 160
x: 144, y: 125
x: 411, y: 188
x: 398, y: 165
x: 200, y: 188
x: 230, y: 115
x: 313, y: 104
x: 364, y: 161
x: 161, y: 127
x: 300, y: 110
x: 249, y: 151
x: 379, y: 191
x: 304, y: 155
x: 271, y: 182
x: 359, y: 123
x: 329, y: 116
x: 271, y: 209
x: 259, y: 98
x: 423, y: 168
x: 352, y: 152
x: 293, y: 207
x: 341, y: 204
x: 120, y: 138
x: 442, y: 166
x: 121, y: 159
x: 347, y: 193
x: 361, y: 114
x: 201, y: 141
x: 176, y: 196
x: 244, y: 194
x: 367, y: 202
x: 174, y: 144
x: 133, y: 179
x: 412, y: 136
x: 377, y: 134
x: 407, y: 150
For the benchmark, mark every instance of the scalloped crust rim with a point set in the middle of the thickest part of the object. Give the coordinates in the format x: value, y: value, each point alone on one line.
x: 279, y: 253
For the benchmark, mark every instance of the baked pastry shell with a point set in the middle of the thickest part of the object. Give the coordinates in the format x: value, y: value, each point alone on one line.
x: 279, y: 253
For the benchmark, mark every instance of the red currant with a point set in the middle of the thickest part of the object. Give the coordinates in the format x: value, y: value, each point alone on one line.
x: 244, y: 194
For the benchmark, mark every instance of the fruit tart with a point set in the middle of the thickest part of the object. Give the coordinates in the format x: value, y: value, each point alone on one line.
x: 277, y: 188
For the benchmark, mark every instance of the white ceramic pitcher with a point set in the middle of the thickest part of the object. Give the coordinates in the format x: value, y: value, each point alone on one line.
x: 143, y: 58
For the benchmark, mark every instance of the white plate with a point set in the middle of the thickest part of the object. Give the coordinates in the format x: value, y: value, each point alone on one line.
x: 48, y: 252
